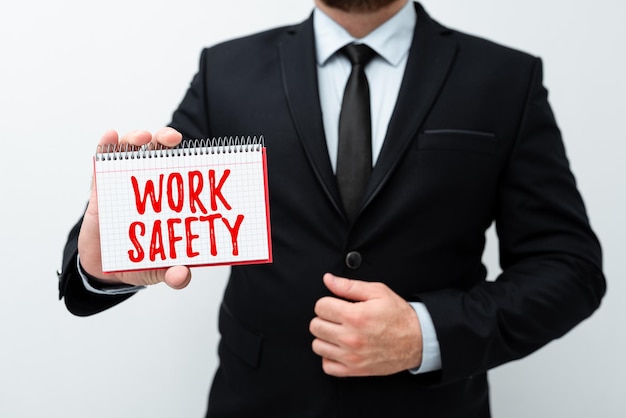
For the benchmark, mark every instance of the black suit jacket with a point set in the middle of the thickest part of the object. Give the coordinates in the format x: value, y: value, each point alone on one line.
x: 472, y: 140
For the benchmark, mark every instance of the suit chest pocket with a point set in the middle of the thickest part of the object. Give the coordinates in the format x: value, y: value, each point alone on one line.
x: 456, y: 165
x: 457, y: 140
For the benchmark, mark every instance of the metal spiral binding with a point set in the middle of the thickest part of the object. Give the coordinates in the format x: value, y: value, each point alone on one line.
x: 206, y: 146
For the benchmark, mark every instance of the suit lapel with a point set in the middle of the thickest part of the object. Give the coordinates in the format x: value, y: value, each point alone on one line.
x: 299, y: 72
x: 430, y: 58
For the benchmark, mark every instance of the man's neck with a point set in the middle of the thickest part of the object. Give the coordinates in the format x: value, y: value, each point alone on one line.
x: 360, y: 23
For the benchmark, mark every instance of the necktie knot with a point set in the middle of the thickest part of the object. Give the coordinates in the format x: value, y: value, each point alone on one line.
x: 358, y: 54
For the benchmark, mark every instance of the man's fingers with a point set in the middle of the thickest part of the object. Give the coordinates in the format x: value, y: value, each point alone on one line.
x: 110, y: 137
x: 331, y: 355
x: 331, y: 309
x: 325, y: 349
x: 136, y: 138
x: 177, y: 277
x: 324, y: 329
x: 337, y: 369
x: 167, y: 136
x: 337, y: 359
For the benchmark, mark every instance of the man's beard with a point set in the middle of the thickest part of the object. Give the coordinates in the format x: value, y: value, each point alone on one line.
x: 358, y: 5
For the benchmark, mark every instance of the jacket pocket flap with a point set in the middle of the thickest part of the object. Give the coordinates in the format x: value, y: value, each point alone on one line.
x: 457, y: 140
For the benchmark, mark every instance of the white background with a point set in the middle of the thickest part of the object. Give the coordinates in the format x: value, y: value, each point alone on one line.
x: 71, y: 69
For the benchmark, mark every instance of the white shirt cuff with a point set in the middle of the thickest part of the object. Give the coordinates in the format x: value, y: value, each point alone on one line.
x: 104, y: 289
x: 431, y: 354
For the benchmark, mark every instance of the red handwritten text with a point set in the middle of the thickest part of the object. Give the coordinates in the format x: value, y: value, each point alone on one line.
x: 167, y: 238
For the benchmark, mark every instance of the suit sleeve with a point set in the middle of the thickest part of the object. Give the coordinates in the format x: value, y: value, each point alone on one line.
x: 551, y: 260
x: 78, y: 299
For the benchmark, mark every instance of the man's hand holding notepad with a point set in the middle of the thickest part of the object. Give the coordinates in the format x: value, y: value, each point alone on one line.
x: 159, y: 206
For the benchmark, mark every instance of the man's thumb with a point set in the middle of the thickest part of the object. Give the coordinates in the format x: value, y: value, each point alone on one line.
x: 350, y: 289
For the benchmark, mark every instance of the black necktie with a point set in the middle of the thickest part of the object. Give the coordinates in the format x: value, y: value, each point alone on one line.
x: 354, y: 156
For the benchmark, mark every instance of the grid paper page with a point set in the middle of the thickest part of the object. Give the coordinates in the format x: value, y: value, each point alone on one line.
x: 179, y: 207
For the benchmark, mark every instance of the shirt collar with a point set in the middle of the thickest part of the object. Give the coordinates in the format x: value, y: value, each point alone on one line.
x: 391, y: 40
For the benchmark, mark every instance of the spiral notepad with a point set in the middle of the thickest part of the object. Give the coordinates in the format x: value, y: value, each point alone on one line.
x: 204, y: 202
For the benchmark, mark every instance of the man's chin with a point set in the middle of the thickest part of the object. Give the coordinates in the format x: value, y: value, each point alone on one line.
x: 358, y: 5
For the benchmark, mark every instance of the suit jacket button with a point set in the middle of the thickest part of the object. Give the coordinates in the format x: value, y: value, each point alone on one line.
x: 353, y: 260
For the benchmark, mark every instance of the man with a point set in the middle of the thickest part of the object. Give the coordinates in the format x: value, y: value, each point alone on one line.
x: 384, y: 310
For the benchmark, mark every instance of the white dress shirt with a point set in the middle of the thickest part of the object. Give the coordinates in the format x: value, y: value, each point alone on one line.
x: 391, y: 41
